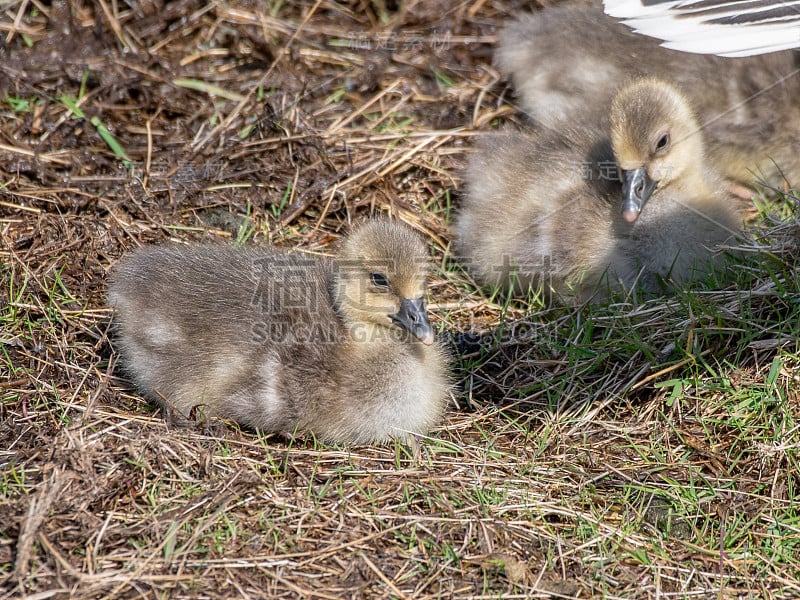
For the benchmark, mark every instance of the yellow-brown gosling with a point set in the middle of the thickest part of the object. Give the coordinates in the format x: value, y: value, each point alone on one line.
x: 281, y: 342
x: 567, y: 61
x: 548, y: 208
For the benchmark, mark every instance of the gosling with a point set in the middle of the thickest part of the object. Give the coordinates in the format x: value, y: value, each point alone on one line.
x: 568, y: 61
x: 549, y: 209
x: 279, y: 342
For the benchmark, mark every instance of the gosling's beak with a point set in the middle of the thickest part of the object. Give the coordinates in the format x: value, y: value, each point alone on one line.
x: 636, y: 189
x: 413, y: 317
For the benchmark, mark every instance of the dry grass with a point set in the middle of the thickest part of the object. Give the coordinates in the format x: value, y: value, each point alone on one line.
x: 616, y: 452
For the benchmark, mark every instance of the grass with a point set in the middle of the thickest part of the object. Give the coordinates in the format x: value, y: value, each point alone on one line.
x: 613, y: 451
x: 73, y: 105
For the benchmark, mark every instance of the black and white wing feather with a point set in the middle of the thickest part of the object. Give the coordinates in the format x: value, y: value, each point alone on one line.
x: 722, y: 27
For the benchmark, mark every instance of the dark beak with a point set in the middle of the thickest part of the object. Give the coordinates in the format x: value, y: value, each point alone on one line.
x: 636, y: 189
x: 413, y: 317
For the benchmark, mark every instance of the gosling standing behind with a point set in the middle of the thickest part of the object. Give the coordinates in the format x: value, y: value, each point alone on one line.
x: 567, y: 62
x: 280, y: 342
x: 548, y: 208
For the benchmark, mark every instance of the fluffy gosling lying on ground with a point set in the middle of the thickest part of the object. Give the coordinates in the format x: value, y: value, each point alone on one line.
x: 279, y: 342
x: 568, y: 61
x: 548, y: 208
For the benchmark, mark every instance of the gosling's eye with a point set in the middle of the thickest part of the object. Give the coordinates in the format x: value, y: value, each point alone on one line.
x: 662, y: 143
x: 379, y: 280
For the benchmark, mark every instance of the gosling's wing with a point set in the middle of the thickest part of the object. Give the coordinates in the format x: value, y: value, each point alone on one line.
x: 215, y: 295
x: 723, y: 27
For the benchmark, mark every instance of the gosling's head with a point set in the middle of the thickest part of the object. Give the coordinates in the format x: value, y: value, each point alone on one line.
x: 656, y: 140
x: 380, y: 278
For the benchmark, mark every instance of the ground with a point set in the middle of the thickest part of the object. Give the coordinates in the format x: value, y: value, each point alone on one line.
x: 620, y: 452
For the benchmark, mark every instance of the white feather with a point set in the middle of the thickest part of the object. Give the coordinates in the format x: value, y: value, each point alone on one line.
x: 693, y: 25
